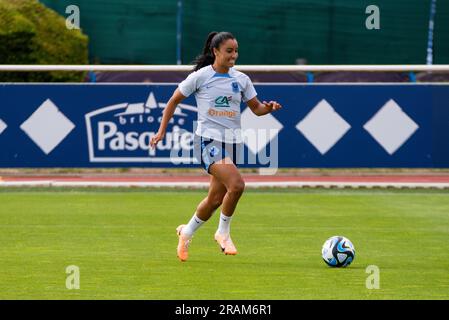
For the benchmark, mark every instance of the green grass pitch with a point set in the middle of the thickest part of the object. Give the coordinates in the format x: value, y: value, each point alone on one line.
x: 124, y: 243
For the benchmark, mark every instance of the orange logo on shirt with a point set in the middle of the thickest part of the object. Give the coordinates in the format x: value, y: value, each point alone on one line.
x: 222, y: 113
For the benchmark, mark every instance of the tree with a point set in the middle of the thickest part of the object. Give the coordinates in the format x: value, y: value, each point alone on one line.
x: 31, y: 33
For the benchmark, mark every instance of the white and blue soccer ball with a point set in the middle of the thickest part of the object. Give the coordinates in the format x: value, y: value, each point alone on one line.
x: 338, y: 252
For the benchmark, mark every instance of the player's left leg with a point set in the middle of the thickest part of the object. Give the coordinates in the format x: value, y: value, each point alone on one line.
x: 227, y: 173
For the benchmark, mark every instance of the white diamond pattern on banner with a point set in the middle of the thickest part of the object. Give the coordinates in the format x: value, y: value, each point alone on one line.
x: 3, y: 126
x: 391, y: 127
x: 47, y: 126
x: 258, y: 131
x: 323, y: 127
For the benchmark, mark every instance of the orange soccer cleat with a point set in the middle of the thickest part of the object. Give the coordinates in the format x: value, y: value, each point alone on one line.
x: 225, y: 243
x: 183, y: 244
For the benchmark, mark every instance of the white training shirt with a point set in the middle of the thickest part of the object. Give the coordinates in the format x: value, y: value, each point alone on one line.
x: 218, y: 97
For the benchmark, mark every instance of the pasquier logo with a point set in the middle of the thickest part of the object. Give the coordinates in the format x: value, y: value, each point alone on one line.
x: 122, y: 133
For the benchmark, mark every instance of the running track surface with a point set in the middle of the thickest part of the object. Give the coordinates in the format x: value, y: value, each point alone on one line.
x: 247, y: 178
x: 251, y: 180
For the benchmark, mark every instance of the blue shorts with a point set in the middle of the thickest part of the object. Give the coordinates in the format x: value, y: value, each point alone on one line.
x: 209, y: 151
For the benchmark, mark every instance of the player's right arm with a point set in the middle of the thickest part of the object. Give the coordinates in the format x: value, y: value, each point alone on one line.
x: 169, y: 110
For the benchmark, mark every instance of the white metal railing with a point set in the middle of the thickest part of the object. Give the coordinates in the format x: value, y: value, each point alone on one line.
x: 243, y: 68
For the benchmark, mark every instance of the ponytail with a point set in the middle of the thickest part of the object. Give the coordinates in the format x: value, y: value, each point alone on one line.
x: 207, y: 57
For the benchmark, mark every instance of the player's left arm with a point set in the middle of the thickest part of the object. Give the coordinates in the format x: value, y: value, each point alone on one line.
x: 262, y: 108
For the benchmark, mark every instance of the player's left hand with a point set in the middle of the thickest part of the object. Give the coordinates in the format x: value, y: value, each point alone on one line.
x: 272, y: 105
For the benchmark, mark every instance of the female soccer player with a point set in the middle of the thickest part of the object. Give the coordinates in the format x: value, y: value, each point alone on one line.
x: 219, y: 90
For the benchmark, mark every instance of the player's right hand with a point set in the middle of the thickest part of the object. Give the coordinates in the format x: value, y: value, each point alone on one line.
x: 156, y: 138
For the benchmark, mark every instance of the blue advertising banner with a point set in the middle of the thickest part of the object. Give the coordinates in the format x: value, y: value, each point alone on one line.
x: 319, y: 126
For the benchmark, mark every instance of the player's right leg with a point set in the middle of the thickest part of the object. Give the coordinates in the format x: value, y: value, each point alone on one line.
x: 204, y: 211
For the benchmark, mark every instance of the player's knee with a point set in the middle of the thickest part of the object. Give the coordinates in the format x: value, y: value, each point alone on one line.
x: 237, y: 187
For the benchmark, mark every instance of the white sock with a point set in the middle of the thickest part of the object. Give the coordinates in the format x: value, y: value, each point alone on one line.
x: 224, y: 227
x: 192, y: 226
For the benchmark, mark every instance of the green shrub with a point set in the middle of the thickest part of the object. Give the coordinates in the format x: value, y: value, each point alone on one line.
x: 31, y: 33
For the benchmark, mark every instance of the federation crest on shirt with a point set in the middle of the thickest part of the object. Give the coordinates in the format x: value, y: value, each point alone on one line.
x: 235, y: 87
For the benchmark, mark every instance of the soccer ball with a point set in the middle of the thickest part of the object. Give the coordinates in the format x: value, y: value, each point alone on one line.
x: 338, y: 252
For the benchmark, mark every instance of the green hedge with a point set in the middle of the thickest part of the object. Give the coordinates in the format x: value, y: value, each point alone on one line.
x: 31, y: 33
